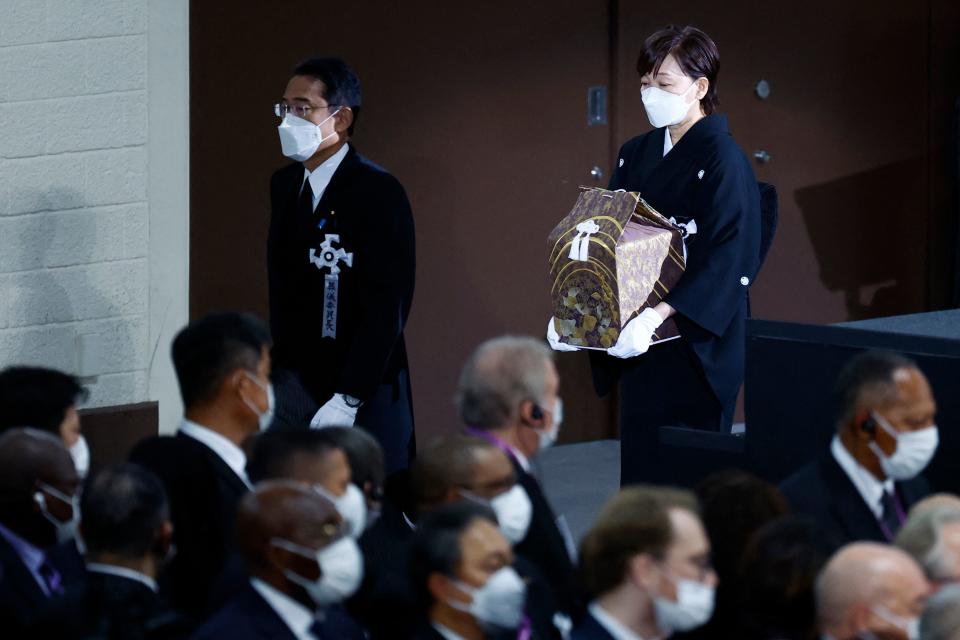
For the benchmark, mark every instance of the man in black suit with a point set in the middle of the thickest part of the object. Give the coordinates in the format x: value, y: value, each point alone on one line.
x: 38, y: 510
x: 302, y: 564
x: 340, y: 257
x: 223, y: 368
x: 864, y: 486
x: 462, y: 574
x: 508, y: 395
x: 128, y: 536
x: 646, y: 564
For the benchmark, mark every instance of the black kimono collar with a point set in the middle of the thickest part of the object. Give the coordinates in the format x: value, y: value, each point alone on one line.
x: 708, y: 126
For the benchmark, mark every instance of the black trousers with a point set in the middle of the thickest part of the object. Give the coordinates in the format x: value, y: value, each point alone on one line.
x: 664, y: 387
x: 388, y: 415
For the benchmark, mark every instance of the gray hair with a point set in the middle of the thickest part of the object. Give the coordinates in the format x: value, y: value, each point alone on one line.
x: 920, y: 537
x: 500, y: 375
x: 941, y: 616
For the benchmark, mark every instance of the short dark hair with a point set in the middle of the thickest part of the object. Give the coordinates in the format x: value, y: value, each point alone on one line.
x: 123, y: 507
x: 436, y: 543
x: 694, y: 51
x: 341, y: 86
x: 37, y: 397
x: 733, y: 505
x: 364, y: 454
x: 274, y: 450
x: 443, y: 464
x: 635, y: 521
x: 870, y: 372
x: 211, y: 348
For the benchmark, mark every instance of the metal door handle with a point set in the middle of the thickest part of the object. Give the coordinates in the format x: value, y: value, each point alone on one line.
x: 596, y: 173
x: 761, y: 156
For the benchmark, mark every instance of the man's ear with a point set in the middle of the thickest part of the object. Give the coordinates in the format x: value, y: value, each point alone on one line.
x: 529, y: 414
x: 642, y: 571
x: 343, y: 120
x: 863, y: 425
x: 443, y: 590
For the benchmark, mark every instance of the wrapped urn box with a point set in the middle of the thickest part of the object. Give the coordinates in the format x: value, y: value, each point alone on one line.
x: 610, y: 258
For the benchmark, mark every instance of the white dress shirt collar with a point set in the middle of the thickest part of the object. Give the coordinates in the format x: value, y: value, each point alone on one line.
x: 667, y: 141
x: 123, y: 572
x: 614, y: 627
x: 870, y: 489
x: 296, y: 616
x: 321, y: 176
x: 445, y: 632
x: 231, y: 454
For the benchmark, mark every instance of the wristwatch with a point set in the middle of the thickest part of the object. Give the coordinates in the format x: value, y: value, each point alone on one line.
x: 353, y: 403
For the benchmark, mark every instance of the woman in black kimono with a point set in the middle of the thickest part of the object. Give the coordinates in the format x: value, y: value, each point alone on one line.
x: 688, y: 168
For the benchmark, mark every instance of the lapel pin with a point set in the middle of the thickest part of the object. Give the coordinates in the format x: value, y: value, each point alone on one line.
x: 700, y: 175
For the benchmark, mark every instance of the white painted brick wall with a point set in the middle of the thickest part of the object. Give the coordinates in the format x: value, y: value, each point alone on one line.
x: 74, y: 209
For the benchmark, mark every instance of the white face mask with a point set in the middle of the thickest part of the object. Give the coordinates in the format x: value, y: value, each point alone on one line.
x: 66, y: 531
x: 692, y: 609
x: 80, y: 452
x: 664, y: 108
x: 300, y: 138
x: 910, y: 626
x: 514, y: 512
x: 265, y: 418
x: 497, y: 605
x: 914, y: 450
x: 549, y: 438
x: 352, y: 507
x: 341, y: 570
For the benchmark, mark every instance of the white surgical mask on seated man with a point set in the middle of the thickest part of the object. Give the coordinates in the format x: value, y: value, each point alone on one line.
x: 914, y: 450
x: 352, y: 507
x: 341, y: 570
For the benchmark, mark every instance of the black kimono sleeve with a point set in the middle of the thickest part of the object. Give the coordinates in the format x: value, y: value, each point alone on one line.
x: 724, y: 255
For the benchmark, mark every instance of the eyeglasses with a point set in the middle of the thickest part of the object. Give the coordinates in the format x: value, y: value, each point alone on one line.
x: 281, y: 109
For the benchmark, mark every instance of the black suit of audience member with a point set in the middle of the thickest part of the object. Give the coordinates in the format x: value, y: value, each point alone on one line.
x: 590, y: 629
x: 20, y: 595
x: 203, y: 493
x: 822, y: 490
x: 544, y: 546
x: 249, y: 617
x: 110, y: 606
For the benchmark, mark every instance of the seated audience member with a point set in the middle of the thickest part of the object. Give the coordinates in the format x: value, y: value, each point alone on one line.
x: 128, y: 535
x: 366, y: 465
x: 38, y: 511
x: 941, y: 616
x: 302, y: 563
x: 932, y: 537
x: 733, y: 505
x: 508, y: 395
x: 863, y: 487
x: 773, y: 592
x: 869, y: 588
x: 935, y: 500
x: 461, y: 570
x: 222, y: 363
x: 315, y: 458
x: 646, y: 564
x: 45, y: 399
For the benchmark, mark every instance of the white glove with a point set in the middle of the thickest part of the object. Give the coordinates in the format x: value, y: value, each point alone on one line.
x: 554, y: 338
x: 335, y: 413
x: 635, y: 338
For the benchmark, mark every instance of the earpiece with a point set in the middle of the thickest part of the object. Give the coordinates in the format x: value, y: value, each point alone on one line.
x: 869, y: 425
x: 536, y: 413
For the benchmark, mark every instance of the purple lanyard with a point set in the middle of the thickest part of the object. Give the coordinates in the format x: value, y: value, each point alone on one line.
x: 901, y: 516
x: 495, y: 441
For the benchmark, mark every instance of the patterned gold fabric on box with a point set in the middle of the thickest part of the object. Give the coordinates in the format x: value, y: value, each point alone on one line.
x: 611, y: 257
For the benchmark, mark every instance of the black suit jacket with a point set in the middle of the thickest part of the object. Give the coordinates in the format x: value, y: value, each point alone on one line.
x: 108, y: 606
x: 590, y: 629
x: 822, y: 490
x: 705, y: 177
x: 20, y: 595
x: 368, y: 208
x: 544, y: 546
x: 250, y: 617
x: 203, y: 493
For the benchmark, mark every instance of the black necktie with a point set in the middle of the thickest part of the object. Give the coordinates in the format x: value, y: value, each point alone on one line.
x: 889, y: 517
x: 305, y: 203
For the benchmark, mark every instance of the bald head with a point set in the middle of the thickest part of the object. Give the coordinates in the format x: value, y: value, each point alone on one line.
x: 500, y: 375
x: 936, y: 501
x: 286, y: 510
x: 863, y: 578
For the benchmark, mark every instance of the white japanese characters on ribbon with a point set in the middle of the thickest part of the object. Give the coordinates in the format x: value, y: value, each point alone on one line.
x: 329, y: 258
x: 580, y: 247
